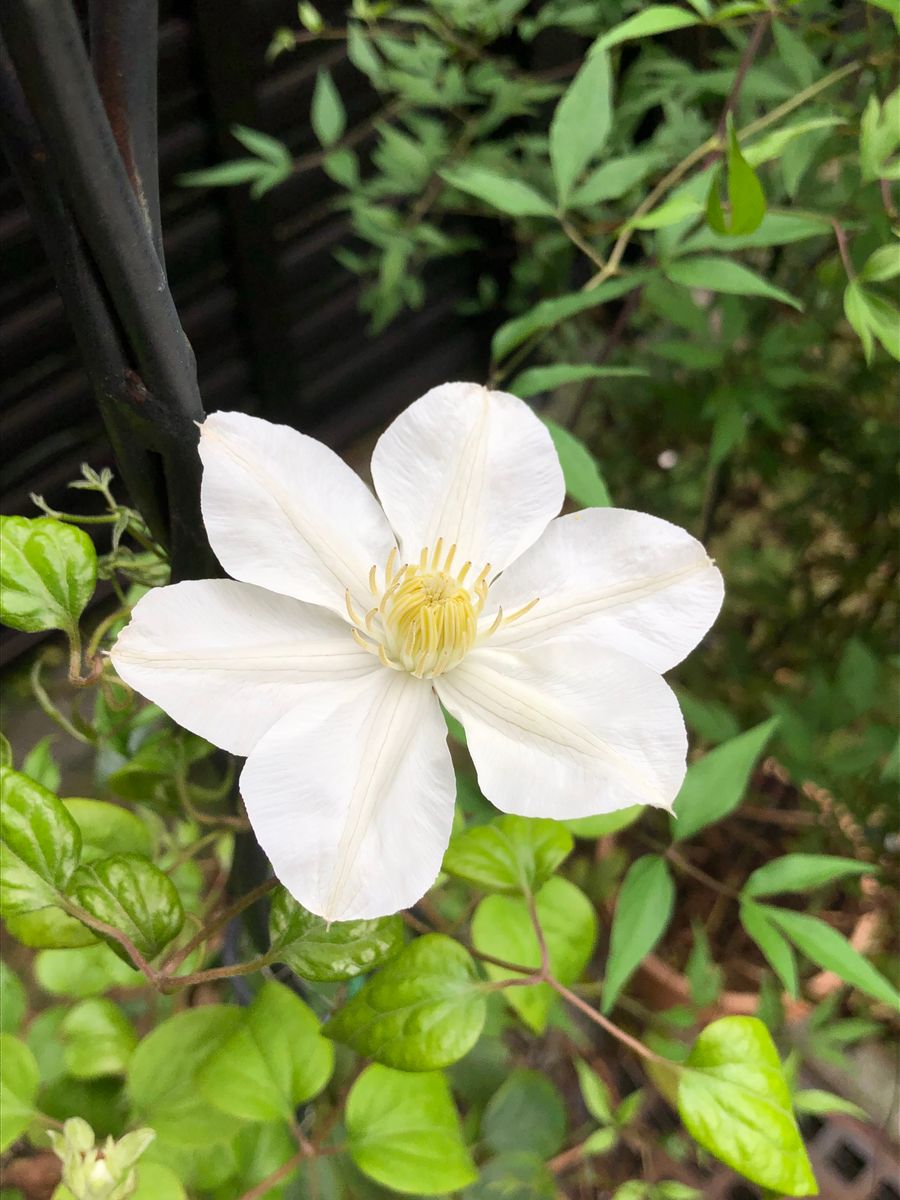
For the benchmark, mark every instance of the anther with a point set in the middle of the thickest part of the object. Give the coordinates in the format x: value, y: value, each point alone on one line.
x: 520, y: 612
x: 351, y: 611
x: 497, y: 622
x: 361, y: 641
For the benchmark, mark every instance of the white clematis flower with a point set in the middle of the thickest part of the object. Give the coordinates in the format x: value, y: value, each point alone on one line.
x: 347, y: 624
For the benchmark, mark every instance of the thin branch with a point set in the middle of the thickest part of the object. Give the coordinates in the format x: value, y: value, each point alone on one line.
x: 538, y: 933
x: 218, y: 922
x: 604, y: 1022
x: 840, y: 235
x: 117, y: 935
x: 747, y: 58
x: 270, y: 1181
x: 170, y: 983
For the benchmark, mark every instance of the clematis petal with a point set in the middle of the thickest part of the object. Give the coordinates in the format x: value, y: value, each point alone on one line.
x: 568, y: 730
x: 351, y: 796
x: 227, y: 660
x: 285, y: 512
x: 474, y: 467
x: 632, y: 580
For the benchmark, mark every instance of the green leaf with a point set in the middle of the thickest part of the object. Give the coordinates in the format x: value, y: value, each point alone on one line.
x: 526, y: 1110
x: 40, y: 765
x: 643, y: 911
x: 270, y: 149
x: 604, y: 823
x: 422, y: 1011
x: 403, y: 1132
x: 746, y: 198
x: 547, y: 379
x: 48, y: 571
x: 19, y: 1080
x: 48, y: 928
x: 328, y: 117
x: 511, y: 854
x: 831, y: 951
x: 655, y: 18
x: 581, y: 123
x: 156, y: 1182
x: 6, y: 754
x: 502, y: 192
x: 517, y: 1175
x: 584, y: 483
x: 724, y: 275
x: 275, y: 1060
x: 594, y: 1092
x: 873, y: 316
x: 796, y: 55
x: 815, y: 1100
x: 108, y: 829
x: 316, y: 949
x: 857, y: 313
x: 734, y: 1100
x: 161, y: 1081
x: 13, y: 1001
x: 801, y: 873
x: 777, y: 951
x: 134, y: 896
x: 227, y: 174
x: 612, y: 180
x: 715, y: 785
x: 678, y: 208
x: 502, y: 927
x: 600, y: 1142
x: 549, y: 313
x: 882, y: 264
x: 40, y: 844
x: 84, y: 972
x: 98, y: 1039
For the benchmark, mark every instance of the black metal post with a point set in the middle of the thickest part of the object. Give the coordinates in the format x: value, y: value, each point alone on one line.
x: 51, y: 62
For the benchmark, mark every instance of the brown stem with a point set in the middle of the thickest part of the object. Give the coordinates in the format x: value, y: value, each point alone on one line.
x: 217, y: 923
x: 539, y: 934
x: 566, y: 1159
x: 580, y: 243
x: 689, y: 869
x: 841, y: 237
x: 214, y: 974
x: 117, y: 935
x: 750, y: 52
x: 276, y: 1177
x: 604, y: 1022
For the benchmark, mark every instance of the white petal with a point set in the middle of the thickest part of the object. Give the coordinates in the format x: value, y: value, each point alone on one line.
x: 472, y: 466
x: 283, y: 511
x: 632, y: 580
x: 353, y: 802
x: 568, y: 730
x: 228, y: 660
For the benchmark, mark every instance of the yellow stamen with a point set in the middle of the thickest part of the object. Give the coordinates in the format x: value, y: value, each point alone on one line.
x: 351, y: 611
x: 520, y: 612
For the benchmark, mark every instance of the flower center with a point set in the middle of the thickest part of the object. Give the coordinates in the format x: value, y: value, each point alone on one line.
x: 430, y: 622
x: 425, y: 620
